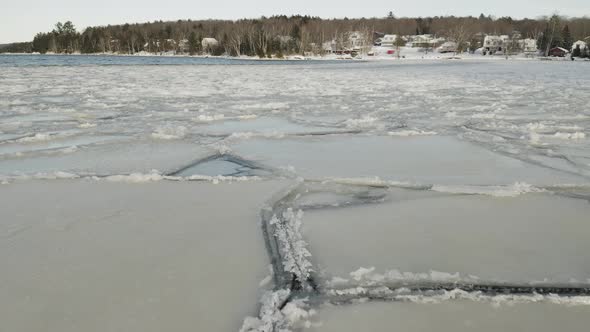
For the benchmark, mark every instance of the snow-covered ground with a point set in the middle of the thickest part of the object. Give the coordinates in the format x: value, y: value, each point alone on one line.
x: 285, y: 195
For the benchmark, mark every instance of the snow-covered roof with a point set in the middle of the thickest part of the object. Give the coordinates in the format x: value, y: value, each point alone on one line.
x: 422, y: 37
x: 582, y: 44
x: 209, y: 42
x: 449, y: 44
x: 560, y: 48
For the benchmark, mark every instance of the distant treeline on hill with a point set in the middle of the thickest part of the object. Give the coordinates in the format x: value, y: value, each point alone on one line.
x: 26, y: 47
x: 283, y: 35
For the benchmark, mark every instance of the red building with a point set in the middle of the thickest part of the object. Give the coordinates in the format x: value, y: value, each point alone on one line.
x: 558, y: 52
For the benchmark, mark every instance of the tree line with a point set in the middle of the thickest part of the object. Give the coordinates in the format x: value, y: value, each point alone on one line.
x: 282, y: 35
x: 26, y: 47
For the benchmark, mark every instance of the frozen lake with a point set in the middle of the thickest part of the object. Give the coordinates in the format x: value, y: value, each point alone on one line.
x: 158, y: 193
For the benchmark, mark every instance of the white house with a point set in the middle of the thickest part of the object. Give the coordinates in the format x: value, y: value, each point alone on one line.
x: 209, y: 43
x: 183, y: 45
x: 425, y: 41
x: 422, y: 41
x: 356, y: 40
x: 528, y: 45
x: 388, y: 40
x: 329, y: 46
x: 580, y: 43
x: 447, y: 47
x: 493, y: 44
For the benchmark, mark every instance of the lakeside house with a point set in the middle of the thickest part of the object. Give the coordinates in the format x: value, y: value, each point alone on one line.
x: 558, y: 52
x: 388, y: 40
x: 528, y: 45
x: 579, y: 44
x: 494, y: 44
x: 425, y: 41
x: 166, y: 47
x: 183, y: 45
x: 209, y: 44
x: 114, y: 44
x: 447, y: 47
x: 357, y: 40
x: 352, y: 43
x: 329, y: 47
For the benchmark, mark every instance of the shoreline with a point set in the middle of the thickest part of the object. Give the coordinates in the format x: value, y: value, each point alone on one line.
x: 365, y: 58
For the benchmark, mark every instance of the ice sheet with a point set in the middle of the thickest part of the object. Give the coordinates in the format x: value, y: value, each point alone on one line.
x: 529, y: 238
x: 106, y: 159
x: 101, y: 256
x: 420, y: 159
x: 259, y: 125
x: 40, y: 142
x: 451, y: 316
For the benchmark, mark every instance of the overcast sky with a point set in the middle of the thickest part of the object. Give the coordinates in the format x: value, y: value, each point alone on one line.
x: 21, y: 19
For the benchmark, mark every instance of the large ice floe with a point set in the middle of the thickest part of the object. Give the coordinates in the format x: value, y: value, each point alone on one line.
x: 452, y: 314
x: 311, y: 196
x: 101, y: 255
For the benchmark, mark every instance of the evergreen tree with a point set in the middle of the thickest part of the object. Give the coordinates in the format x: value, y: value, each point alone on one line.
x: 399, y: 42
x: 193, y: 43
x: 542, y: 40
x: 296, y: 32
x: 41, y: 43
x: 566, y: 38
x: 65, y: 38
x: 557, y: 41
x: 87, y: 44
x: 295, y: 39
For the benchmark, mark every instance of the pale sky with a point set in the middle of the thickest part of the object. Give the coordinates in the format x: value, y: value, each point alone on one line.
x: 20, y: 20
